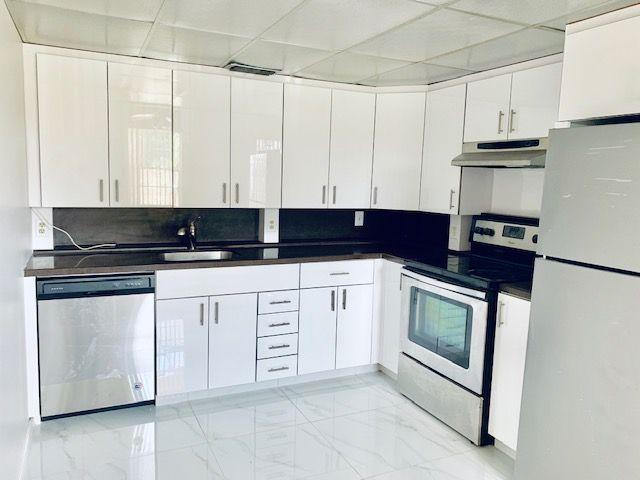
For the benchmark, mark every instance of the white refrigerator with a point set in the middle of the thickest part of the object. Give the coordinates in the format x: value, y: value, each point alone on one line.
x: 580, y: 416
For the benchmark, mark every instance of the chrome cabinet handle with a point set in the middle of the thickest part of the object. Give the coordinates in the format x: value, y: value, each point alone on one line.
x: 279, y: 302
x: 512, y: 114
x: 451, y: 194
x: 500, y: 316
x: 344, y: 299
x: 500, y: 115
x: 202, y: 314
x: 101, y: 189
x: 333, y: 300
x: 375, y: 195
x: 324, y: 194
x: 334, y: 194
x: 237, y: 193
x: 338, y: 273
x: 215, y: 313
x: 276, y: 347
x: 278, y: 369
x: 117, y: 190
x: 281, y: 324
x: 224, y: 192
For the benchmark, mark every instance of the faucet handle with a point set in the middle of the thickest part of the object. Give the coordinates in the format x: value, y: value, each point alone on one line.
x: 182, y: 231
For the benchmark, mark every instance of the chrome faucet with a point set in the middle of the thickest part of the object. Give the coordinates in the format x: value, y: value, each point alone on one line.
x: 190, y: 232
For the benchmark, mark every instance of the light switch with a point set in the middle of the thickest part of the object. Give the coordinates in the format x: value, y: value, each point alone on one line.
x: 359, y: 220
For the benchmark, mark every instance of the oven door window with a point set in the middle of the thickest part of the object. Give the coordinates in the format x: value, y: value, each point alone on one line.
x: 441, y: 325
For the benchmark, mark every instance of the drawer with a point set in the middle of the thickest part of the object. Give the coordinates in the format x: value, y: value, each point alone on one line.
x: 277, y: 346
x: 329, y: 274
x: 277, y: 323
x: 273, y: 302
x: 272, y: 368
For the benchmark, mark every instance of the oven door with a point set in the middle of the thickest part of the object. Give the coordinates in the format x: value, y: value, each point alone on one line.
x: 444, y: 327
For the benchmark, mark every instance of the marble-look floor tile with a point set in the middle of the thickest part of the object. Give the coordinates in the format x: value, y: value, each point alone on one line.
x: 322, y: 386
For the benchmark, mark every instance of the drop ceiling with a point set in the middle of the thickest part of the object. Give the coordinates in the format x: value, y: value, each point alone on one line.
x: 369, y: 42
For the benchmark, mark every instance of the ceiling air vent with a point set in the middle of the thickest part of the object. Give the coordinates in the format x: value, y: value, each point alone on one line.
x: 241, y: 67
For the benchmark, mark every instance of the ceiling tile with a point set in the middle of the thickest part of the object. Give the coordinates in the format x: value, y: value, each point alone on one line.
x: 338, y: 24
x: 437, y: 33
x: 350, y: 67
x: 526, y: 11
x: 415, y: 74
x: 560, y: 23
x: 48, y: 25
x: 281, y: 56
x: 517, y: 47
x: 143, y: 10
x: 192, y: 46
x: 246, y: 18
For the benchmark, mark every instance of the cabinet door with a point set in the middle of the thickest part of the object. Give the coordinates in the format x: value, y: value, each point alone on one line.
x: 256, y: 143
x: 201, y: 140
x: 440, y: 186
x: 305, y: 151
x: 232, y: 339
x: 355, y: 321
x: 397, y: 151
x: 72, y: 116
x: 535, y: 95
x: 351, y: 158
x: 140, y: 136
x: 508, y: 368
x: 487, y: 109
x: 182, y: 345
x: 317, y: 330
x: 390, y: 305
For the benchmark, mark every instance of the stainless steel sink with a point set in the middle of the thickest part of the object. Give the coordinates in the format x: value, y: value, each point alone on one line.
x: 197, y: 256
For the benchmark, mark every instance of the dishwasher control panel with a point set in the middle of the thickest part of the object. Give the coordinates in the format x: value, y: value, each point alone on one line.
x: 85, y: 286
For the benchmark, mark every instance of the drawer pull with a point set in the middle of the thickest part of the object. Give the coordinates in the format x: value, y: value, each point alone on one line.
x: 339, y: 273
x: 279, y: 302
x: 276, y: 347
x: 278, y: 369
x: 281, y: 324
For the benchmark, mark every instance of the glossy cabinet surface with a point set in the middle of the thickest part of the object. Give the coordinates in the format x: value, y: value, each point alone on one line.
x: 140, y: 134
x: 305, y: 154
x: 397, y: 152
x: 535, y: 95
x: 512, y: 327
x: 351, y: 157
x: 389, y: 304
x: 232, y: 339
x: 354, y: 326
x: 256, y: 143
x: 440, y: 185
x: 182, y: 345
x: 72, y: 111
x: 487, y: 112
x: 317, y: 330
x: 201, y: 140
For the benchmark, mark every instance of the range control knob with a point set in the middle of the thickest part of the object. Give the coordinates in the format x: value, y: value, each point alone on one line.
x: 489, y: 231
x: 478, y: 230
x: 534, y: 239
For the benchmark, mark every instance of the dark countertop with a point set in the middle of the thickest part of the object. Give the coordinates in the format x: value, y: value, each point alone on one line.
x: 517, y: 289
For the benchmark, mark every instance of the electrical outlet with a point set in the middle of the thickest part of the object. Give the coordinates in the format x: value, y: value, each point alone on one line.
x: 42, y: 229
x: 359, y: 220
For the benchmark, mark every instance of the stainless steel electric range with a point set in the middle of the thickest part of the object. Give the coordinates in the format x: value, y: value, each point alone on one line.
x: 448, y: 321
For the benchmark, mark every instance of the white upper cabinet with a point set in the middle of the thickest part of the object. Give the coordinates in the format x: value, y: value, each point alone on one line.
x: 305, y: 154
x: 72, y: 111
x: 601, y: 76
x: 140, y: 136
x: 352, y: 118
x: 440, y: 186
x: 201, y: 140
x: 256, y: 143
x: 397, y: 152
x: 487, y: 109
x: 535, y: 95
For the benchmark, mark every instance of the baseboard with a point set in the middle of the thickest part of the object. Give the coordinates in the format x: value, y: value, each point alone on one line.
x: 509, y: 452
x: 387, y: 372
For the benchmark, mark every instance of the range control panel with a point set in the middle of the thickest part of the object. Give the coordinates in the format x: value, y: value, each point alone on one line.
x: 505, y: 234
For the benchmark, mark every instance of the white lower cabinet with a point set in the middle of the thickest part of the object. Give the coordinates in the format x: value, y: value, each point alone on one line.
x: 317, y: 330
x: 353, y: 333
x: 232, y: 339
x: 182, y: 345
x: 274, y: 368
x: 508, y: 368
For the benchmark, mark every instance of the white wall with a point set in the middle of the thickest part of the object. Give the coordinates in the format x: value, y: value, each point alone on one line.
x: 14, y: 248
x: 517, y: 191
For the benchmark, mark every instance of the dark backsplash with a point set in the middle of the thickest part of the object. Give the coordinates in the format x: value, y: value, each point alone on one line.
x: 158, y: 226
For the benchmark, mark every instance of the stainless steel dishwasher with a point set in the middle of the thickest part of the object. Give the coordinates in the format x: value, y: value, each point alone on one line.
x: 96, y: 339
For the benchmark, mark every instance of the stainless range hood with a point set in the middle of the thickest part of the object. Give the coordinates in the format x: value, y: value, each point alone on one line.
x: 511, y: 153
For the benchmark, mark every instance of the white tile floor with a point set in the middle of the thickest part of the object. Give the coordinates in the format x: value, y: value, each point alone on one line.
x: 343, y: 429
